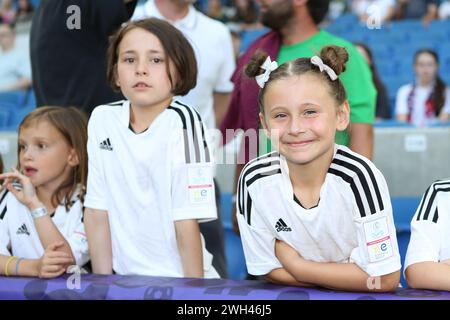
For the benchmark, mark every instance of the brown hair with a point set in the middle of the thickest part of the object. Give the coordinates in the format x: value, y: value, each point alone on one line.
x: 176, y: 47
x: 72, y: 124
x: 438, y: 93
x: 333, y: 56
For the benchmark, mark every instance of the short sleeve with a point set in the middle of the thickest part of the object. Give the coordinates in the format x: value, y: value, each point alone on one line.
x: 5, y: 240
x: 77, y: 238
x: 257, y: 241
x: 377, y: 252
x: 424, y: 244
x: 430, y: 225
x: 192, y: 170
x: 401, y: 102
x: 224, y: 83
x: 95, y: 195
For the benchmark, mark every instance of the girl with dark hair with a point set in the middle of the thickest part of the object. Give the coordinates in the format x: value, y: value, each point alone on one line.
x: 427, y: 100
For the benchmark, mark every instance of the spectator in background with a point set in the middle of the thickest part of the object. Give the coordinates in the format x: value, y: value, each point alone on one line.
x: 68, y: 51
x: 214, y: 52
x: 24, y: 16
x: 379, y: 10
x: 426, y: 10
x: 383, y: 110
x: 427, y: 100
x: 246, y: 15
x: 7, y: 11
x: 444, y: 10
x: 15, y: 70
x: 216, y: 11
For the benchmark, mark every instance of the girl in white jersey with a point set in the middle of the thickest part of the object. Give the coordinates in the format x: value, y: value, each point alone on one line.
x: 41, y: 217
x: 150, y: 171
x: 314, y: 213
x: 427, y: 262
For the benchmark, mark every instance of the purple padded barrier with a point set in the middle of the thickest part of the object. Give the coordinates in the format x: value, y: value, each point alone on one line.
x: 116, y: 287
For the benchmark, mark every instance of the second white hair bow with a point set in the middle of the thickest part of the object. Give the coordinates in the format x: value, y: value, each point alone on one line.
x: 268, y: 67
x: 322, y: 66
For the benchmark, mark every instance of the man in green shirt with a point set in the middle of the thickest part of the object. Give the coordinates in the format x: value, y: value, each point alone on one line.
x: 357, y: 80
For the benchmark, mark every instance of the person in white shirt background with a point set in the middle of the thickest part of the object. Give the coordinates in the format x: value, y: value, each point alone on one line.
x: 15, y: 68
x: 213, y: 48
x: 426, y: 101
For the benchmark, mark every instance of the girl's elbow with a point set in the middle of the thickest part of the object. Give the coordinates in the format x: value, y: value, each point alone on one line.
x: 412, y: 279
x: 390, y: 282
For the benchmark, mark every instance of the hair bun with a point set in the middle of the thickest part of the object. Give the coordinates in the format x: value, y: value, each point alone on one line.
x: 253, y: 67
x: 335, y: 57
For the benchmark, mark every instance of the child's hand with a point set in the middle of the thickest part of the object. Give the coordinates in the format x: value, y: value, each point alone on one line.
x: 53, y: 263
x: 27, y: 195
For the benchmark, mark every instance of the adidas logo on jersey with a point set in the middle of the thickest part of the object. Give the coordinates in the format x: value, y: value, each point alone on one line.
x: 281, y: 226
x: 106, y: 145
x: 23, y: 230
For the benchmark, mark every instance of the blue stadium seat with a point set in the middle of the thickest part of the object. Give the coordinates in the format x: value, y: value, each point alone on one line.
x: 18, y: 116
x: 234, y: 253
x: 14, y: 97
x: 4, y: 117
x: 30, y: 98
x: 403, y: 210
x: 237, y: 269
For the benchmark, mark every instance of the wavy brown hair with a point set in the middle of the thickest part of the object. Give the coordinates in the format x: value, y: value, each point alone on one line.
x: 72, y: 124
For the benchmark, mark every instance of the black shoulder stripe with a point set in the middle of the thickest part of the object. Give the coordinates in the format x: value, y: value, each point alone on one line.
x: 185, y: 137
x: 193, y: 128
x: 249, y: 209
x: 370, y: 173
x: 436, y: 215
x: 262, y: 175
x: 2, y: 215
x: 244, y: 200
x: 205, y: 144
x: 428, y: 200
x: 3, y: 204
x: 363, y: 181
x: 3, y: 196
x: 355, y: 190
x: 194, y: 135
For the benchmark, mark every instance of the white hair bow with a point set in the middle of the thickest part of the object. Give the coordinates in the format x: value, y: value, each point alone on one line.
x: 322, y: 66
x: 268, y: 67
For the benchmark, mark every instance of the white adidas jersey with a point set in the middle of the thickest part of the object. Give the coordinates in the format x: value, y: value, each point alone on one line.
x: 352, y: 221
x: 19, y: 237
x: 146, y: 182
x: 430, y: 226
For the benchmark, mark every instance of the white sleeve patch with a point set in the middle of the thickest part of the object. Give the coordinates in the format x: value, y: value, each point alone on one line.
x: 200, y: 184
x: 378, y: 239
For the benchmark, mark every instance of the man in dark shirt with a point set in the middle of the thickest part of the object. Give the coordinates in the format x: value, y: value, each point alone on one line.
x: 68, y: 44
